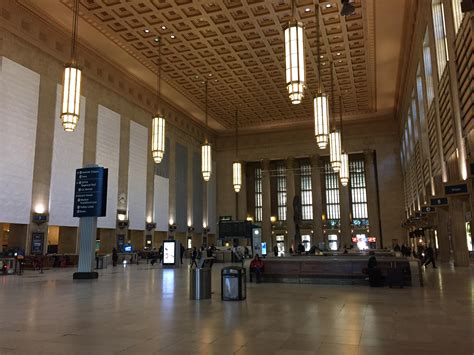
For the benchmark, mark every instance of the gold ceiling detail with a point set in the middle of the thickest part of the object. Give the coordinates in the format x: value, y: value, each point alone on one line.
x: 238, y: 46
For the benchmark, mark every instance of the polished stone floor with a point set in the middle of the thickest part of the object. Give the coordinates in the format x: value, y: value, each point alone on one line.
x: 146, y: 310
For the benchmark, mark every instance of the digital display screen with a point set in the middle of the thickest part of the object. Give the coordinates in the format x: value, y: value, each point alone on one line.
x: 127, y: 248
x: 168, y: 252
x: 372, y: 239
x: 264, y: 248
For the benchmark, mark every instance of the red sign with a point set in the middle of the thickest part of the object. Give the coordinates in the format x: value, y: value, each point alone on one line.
x: 372, y: 239
x: 354, y: 239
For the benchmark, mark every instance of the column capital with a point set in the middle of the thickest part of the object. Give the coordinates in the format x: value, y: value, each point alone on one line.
x: 369, y: 156
x: 290, y: 162
x: 265, y: 163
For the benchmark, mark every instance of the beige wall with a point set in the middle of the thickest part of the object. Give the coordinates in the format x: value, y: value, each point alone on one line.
x: 379, y: 134
x: 34, y: 44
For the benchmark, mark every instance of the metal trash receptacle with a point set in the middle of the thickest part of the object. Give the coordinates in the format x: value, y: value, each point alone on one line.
x: 233, y: 283
x: 200, y: 283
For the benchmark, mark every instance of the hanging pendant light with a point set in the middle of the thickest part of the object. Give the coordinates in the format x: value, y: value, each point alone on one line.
x: 159, y: 123
x: 334, y: 136
x: 71, y: 99
x: 206, y: 159
x: 321, y: 103
x: 294, y: 57
x: 237, y: 166
x: 344, y: 172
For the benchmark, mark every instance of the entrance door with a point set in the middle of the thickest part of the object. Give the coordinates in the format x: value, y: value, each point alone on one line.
x: 280, y: 239
x: 332, y: 241
x: 306, y: 240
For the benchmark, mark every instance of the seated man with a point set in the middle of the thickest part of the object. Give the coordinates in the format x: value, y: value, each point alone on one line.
x: 256, y: 266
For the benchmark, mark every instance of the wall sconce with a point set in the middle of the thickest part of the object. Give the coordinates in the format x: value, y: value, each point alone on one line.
x: 122, y: 220
x: 273, y: 219
x: 206, y: 230
x: 171, y: 227
x: 190, y: 229
x: 150, y: 226
x: 250, y: 218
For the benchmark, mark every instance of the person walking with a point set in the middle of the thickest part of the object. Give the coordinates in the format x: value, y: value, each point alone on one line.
x: 194, y: 255
x: 181, y: 251
x: 275, y: 250
x: 429, y: 257
x: 114, y: 257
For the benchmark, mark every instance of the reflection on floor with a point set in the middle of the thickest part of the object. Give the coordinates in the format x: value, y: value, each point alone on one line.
x: 146, y: 310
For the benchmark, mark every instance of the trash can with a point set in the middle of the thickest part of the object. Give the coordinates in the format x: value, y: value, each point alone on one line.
x: 200, y: 283
x: 233, y: 283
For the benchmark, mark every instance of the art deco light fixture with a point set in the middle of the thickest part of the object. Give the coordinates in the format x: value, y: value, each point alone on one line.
x: 237, y: 166
x: 294, y: 57
x: 71, y: 99
x: 159, y: 123
x: 334, y: 136
x: 206, y: 160
x: 321, y: 104
x: 344, y: 172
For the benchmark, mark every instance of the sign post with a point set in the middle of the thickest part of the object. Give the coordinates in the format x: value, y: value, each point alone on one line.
x: 90, y: 202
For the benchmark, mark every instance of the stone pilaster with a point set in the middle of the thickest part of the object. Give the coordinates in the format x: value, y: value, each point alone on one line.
x: 242, y: 195
x: 318, y: 234
x: 442, y: 233
x: 372, y: 196
x: 458, y: 231
x: 266, y: 204
x: 345, y: 227
x: 172, y: 179
x: 290, y: 195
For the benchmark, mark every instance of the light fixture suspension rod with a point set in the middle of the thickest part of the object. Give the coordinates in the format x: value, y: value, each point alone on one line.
x: 158, y: 84
x: 340, y: 114
x: 318, y: 43
x: 75, y: 24
x: 293, y: 8
x: 236, y: 134
x: 332, y: 95
x: 205, y: 102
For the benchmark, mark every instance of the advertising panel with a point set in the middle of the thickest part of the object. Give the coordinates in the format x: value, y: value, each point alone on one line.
x: 169, y: 252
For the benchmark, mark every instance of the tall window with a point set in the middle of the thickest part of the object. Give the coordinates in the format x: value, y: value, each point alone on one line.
x: 440, y: 35
x: 360, y: 216
x: 306, y: 193
x: 416, y: 134
x: 258, y: 195
x: 331, y: 183
x: 281, y: 192
x: 457, y: 14
x: 428, y: 69
x: 421, y: 107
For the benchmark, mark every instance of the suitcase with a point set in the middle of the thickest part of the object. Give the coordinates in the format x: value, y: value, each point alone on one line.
x: 395, y: 278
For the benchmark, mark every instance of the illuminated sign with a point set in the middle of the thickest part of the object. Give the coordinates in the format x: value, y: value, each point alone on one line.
x: 168, y: 252
x: 372, y: 239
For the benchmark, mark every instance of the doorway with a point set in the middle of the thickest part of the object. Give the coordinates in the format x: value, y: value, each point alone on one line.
x: 332, y: 241
x: 306, y: 240
x: 280, y: 240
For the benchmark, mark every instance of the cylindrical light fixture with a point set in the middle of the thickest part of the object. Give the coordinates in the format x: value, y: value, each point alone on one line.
x: 158, y: 125
x: 158, y: 138
x: 206, y: 151
x: 71, y: 100
x: 335, y: 150
x: 321, y: 120
x: 294, y: 58
x: 206, y: 161
x: 237, y: 175
x: 71, y: 97
x: 344, y: 172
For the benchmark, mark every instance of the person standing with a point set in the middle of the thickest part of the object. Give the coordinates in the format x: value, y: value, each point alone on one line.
x: 181, y: 251
x: 194, y: 255
x: 275, y: 250
x: 114, y: 257
x: 256, y: 266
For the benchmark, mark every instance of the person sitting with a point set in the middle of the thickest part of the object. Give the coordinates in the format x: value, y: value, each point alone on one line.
x: 256, y: 266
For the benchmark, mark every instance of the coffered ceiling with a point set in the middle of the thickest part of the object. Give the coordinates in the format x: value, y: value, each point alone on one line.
x: 237, y: 45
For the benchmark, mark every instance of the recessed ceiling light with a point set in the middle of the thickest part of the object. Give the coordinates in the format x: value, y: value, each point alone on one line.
x: 339, y: 61
x: 307, y: 9
x: 328, y: 6
x: 321, y: 56
x: 156, y: 39
x: 210, y: 74
x: 163, y: 27
x: 173, y: 36
x: 196, y: 77
x: 146, y: 30
x: 338, y: 53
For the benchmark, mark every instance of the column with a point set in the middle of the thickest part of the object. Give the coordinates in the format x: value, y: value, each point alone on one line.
x: 172, y: 177
x: 372, y: 196
x: 345, y: 226
x: 442, y: 232
x: 266, y: 205
x: 43, y: 157
x: 243, y: 194
x: 458, y: 232
x: 190, y: 182
x: 290, y: 211
x: 317, y: 199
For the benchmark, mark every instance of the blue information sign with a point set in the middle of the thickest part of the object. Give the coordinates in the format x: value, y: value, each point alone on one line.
x: 90, y: 197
